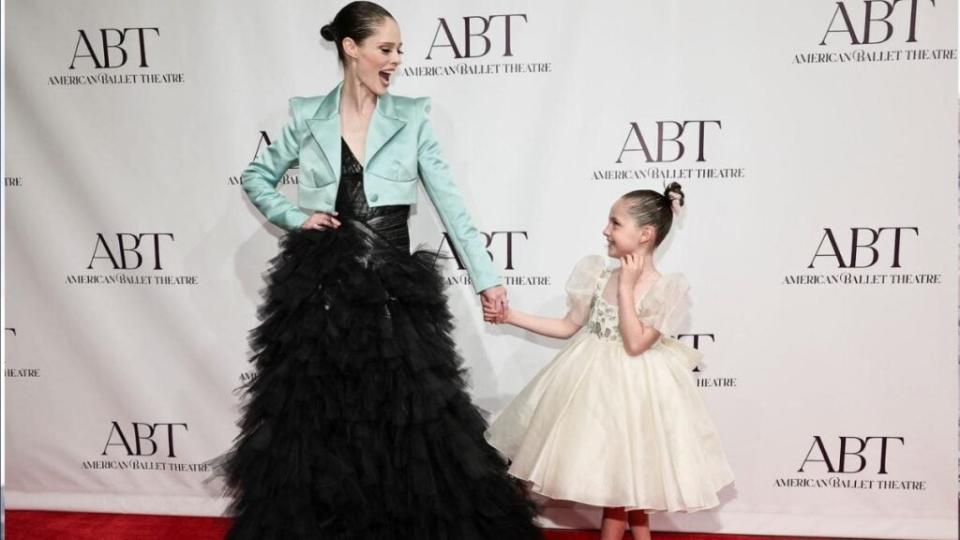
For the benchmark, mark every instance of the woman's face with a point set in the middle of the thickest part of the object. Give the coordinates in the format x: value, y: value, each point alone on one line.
x: 622, y: 233
x: 374, y: 61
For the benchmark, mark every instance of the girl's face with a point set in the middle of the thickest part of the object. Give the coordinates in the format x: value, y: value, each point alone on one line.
x: 622, y: 233
x: 374, y: 61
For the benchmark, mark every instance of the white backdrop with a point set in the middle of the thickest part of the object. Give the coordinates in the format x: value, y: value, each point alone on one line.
x: 819, y: 235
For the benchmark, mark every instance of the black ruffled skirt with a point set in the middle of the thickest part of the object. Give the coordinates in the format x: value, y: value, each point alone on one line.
x: 357, y: 424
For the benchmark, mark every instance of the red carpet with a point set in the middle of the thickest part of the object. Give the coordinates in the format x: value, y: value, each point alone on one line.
x: 36, y: 525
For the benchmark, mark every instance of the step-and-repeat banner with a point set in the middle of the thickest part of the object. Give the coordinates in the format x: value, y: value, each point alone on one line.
x: 816, y: 142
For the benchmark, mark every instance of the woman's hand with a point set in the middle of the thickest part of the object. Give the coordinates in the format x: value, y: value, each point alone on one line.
x: 631, y: 268
x: 321, y: 221
x: 491, y: 315
x: 494, y: 301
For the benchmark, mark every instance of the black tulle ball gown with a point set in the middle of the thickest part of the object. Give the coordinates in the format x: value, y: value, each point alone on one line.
x: 357, y: 424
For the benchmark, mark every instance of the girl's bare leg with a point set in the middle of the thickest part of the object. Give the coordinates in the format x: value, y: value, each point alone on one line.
x: 639, y: 524
x: 614, y: 524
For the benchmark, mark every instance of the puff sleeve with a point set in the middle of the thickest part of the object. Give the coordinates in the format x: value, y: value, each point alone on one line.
x: 581, y: 286
x: 669, y: 310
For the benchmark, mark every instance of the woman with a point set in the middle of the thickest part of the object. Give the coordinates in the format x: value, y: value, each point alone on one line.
x: 357, y: 424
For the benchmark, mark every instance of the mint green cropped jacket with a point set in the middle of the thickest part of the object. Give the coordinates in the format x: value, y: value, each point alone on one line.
x: 400, y: 149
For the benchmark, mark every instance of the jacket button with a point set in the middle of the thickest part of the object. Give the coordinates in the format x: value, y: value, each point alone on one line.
x: 374, y: 197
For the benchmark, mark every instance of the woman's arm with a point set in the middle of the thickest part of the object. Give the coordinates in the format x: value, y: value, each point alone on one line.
x: 261, y: 177
x: 446, y: 198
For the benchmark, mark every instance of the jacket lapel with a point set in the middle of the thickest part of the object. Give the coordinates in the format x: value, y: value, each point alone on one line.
x: 325, y: 127
x: 383, y: 126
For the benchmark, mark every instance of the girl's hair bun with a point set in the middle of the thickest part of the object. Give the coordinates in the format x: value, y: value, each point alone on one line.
x: 674, y: 192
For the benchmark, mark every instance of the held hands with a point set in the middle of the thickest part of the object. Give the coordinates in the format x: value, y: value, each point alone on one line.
x: 631, y: 268
x: 321, y: 221
x: 495, y: 305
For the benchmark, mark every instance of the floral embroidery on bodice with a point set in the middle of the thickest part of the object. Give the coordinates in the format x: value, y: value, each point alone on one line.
x: 664, y: 305
x: 604, y: 319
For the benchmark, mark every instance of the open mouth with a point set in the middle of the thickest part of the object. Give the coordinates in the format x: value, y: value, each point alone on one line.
x: 385, y: 77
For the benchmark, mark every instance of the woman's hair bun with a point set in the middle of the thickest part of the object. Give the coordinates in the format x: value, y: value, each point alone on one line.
x: 326, y: 32
x: 673, y: 191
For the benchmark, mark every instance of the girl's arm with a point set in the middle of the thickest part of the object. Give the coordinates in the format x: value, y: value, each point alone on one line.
x: 637, y: 337
x: 545, y: 326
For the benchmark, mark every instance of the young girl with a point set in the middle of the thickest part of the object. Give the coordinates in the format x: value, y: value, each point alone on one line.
x: 616, y: 419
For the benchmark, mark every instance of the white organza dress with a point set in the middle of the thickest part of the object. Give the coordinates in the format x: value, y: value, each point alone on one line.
x: 601, y: 427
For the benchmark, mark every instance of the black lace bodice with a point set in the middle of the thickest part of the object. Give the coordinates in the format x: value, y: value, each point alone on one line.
x: 389, y: 222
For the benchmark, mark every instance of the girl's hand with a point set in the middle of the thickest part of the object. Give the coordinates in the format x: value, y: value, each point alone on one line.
x: 631, y: 267
x: 321, y: 221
